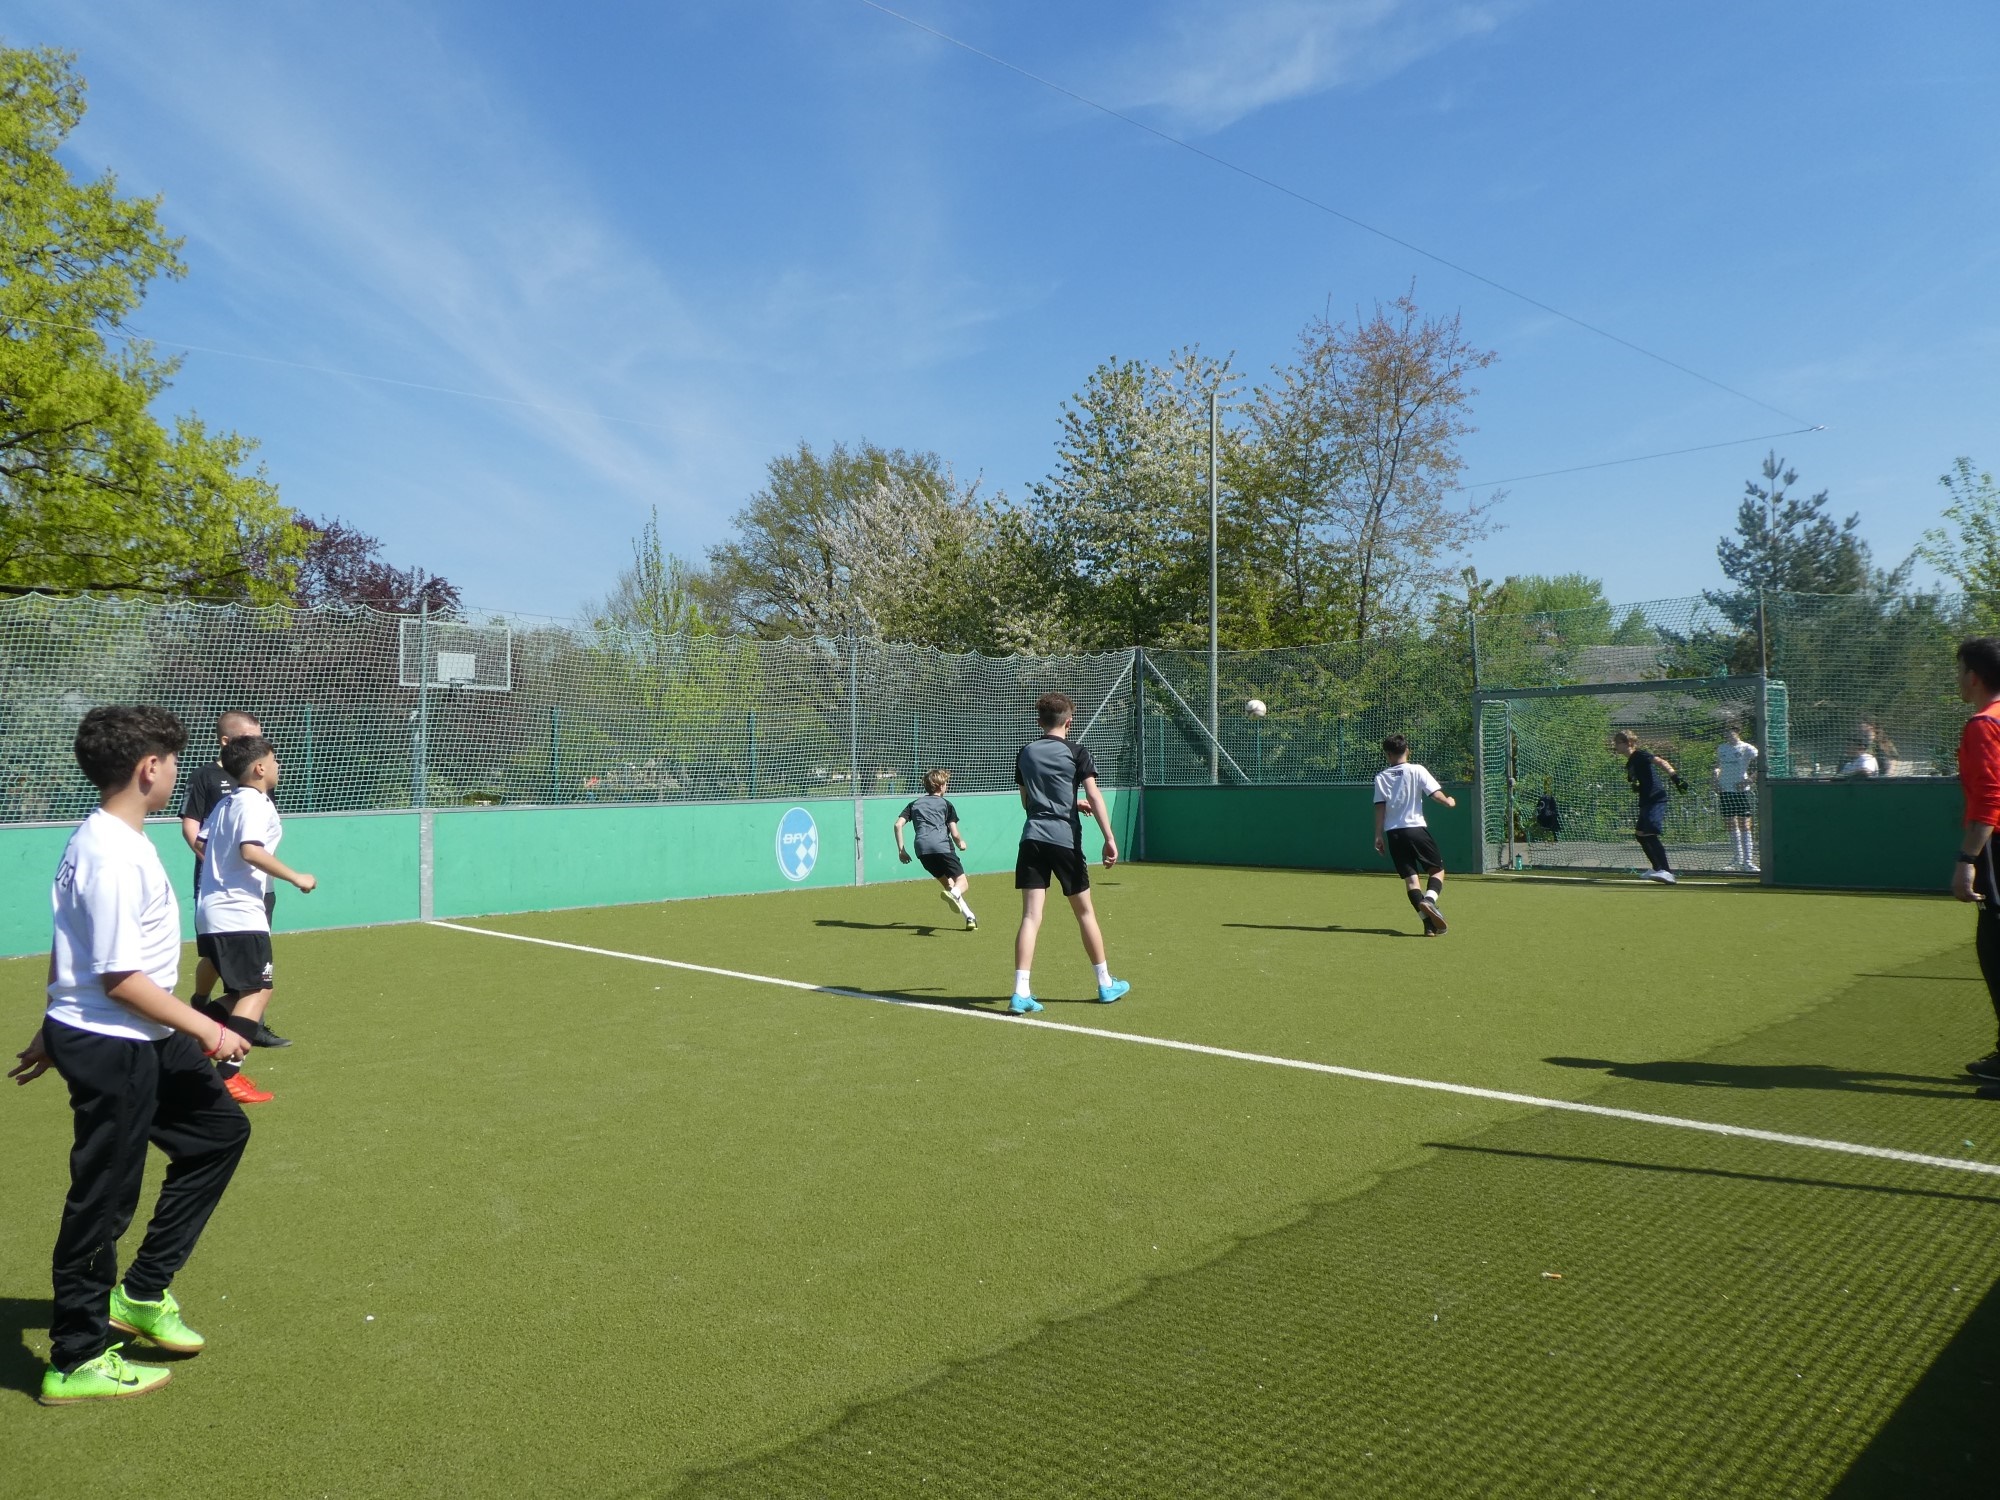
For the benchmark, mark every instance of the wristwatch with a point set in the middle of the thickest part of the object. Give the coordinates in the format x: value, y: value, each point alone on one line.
x: 1968, y: 859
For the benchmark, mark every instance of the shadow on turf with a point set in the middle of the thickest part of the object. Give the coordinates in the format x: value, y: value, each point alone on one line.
x: 20, y: 1367
x: 1719, y: 1172
x: 1933, y: 1444
x: 1721, y: 1075
x: 1330, y: 927
x: 918, y: 929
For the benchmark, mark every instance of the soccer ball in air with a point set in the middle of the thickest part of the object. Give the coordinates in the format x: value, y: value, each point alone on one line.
x: 1255, y: 708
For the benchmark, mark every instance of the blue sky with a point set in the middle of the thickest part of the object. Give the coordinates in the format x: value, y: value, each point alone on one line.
x: 676, y: 239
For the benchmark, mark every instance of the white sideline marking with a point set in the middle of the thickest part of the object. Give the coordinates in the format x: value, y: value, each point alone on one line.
x: 1436, y: 1086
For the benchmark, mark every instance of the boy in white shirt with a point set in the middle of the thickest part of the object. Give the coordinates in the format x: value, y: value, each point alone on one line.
x: 137, y: 1064
x: 1402, y: 833
x: 232, y: 919
x: 1735, y: 793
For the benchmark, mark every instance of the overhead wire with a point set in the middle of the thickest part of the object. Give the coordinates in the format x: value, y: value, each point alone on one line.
x: 1327, y: 208
x: 1638, y: 458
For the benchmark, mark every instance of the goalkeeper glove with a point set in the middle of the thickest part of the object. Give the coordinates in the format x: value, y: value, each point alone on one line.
x: 1680, y: 784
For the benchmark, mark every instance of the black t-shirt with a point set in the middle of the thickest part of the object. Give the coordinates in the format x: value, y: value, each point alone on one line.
x: 1049, y: 771
x: 208, y: 784
x: 1642, y: 769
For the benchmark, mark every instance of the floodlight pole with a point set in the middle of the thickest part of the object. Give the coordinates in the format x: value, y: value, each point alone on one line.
x: 1214, y: 699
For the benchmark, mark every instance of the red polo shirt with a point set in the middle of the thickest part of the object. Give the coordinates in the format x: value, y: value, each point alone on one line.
x: 1979, y: 766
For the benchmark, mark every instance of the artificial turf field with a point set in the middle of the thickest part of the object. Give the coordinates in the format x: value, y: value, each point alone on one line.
x: 529, y: 1221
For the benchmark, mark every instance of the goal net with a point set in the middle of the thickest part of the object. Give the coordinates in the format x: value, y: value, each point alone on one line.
x: 1554, y: 794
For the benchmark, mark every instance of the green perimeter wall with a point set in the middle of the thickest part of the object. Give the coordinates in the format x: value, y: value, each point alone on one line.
x: 509, y: 859
x: 1297, y: 827
x: 1895, y: 834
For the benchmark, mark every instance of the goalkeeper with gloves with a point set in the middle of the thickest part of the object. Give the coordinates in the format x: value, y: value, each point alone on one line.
x: 1650, y: 775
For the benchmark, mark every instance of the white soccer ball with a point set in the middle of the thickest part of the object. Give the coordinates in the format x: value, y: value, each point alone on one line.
x: 1255, y: 708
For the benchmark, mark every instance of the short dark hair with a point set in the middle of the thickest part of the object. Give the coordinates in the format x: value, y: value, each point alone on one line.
x: 237, y: 716
x: 1980, y: 656
x: 243, y: 752
x: 1052, y: 709
x: 1396, y: 744
x: 111, y: 741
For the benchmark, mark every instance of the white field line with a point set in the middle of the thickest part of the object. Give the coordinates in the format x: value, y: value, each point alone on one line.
x: 1436, y: 1086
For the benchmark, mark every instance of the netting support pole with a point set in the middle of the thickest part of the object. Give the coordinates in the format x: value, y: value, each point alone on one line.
x: 1214, y: 625
x: 750, y: 731
x: 421, y: 780
x: 854, y: 743
x: 1761, y: 843
x: 310, y: 783
x: 555, y: 753
x: 916, y: 753
x: 426, y: 865
x: 1479, y: 766
x: 1139, y: 716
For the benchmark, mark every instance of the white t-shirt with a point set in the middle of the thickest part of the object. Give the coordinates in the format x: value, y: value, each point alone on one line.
x: 1862, y: 764
x: 231, y: 891
x: 1733, y: 763
x: 1403, y: 788
x: 115, y: 913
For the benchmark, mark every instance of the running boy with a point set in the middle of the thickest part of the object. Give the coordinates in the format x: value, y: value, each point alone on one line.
x: 936, y: 822
x: 207, y: 785
x: 1735, y: 794
x: 232, y: 920
x: 136, y: 1062
x: 1649, y: 775
x: 1402, y: 833
x: 1051, y: 772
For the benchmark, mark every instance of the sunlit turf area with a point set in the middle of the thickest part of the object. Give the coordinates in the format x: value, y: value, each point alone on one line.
x: 525, y: 1220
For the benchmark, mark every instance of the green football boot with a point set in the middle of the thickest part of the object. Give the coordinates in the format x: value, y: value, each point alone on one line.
x: 156, y: 1322
x: 104, y: 1378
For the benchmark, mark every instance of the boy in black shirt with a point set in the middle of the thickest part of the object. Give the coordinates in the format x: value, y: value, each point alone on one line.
x: 1649, y: 775
x: 936, y: 822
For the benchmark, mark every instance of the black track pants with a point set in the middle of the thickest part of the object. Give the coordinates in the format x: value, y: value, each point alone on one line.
x: 1988, y: 944
x: 125, y: 1093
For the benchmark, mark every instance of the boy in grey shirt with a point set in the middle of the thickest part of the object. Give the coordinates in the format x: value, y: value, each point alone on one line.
x: 1051, y: 772
x: 936, y: 822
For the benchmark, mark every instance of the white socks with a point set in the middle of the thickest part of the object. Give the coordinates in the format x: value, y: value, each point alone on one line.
x: 1103, y: 972
x: 1021, y: 982
x: 1746, y: 846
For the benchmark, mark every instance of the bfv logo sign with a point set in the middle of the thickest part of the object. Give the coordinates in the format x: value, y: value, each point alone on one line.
x: 798, y: 844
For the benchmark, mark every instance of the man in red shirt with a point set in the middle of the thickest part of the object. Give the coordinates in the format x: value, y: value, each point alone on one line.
x: 1974, y: 877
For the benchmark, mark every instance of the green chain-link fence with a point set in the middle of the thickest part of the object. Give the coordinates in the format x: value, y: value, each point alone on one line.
x: 381, y: 711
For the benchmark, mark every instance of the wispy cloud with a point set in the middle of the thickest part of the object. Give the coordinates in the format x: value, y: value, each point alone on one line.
x: 1214, y: 61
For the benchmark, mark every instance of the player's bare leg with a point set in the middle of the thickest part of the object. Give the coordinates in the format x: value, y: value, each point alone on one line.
x: 1086, y: 923
x: 1032, y: 903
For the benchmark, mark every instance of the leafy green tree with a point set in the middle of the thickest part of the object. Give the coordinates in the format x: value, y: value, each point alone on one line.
x: 95, y: 491
x: 1123, y: 515
x: 1357, y: 448
x: 1967, y: 548
x: 1792, y: 544
x: 658, y: 591
x: 798, y: 561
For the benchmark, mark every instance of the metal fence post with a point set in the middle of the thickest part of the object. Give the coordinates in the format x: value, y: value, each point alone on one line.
x: 854, y: 745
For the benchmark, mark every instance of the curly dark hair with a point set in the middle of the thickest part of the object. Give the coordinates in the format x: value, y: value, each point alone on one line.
x: 111, y: 741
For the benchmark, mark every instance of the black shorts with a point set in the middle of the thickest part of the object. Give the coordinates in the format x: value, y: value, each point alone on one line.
x: 1039, y: 860
x: 1652, y: 819
x: 1737, y: 804
x: 243, y: 959
x: 945, y: 866
x: 1414, y: 851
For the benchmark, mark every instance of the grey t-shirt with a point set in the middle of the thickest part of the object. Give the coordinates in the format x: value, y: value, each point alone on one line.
x: 932, y: 818
x: 1049, y: 771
